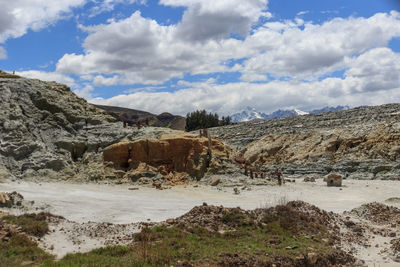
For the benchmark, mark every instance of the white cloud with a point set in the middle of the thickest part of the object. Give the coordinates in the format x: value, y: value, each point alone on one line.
x: 375, y: 70
x: 370, y: 80
x: 85, y: 92
x: 109, y: 5
x: 100, y: 80
x: 204, y: 20
x: 142, y: 51
x: 48, y: 76
x: 317, y: 49
x: 301, y: 13
x: 3, y: 53
x: 18, y: 16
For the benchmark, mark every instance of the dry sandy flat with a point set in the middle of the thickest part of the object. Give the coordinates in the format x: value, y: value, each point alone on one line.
x: 117, y: 204
x: 98, y: 204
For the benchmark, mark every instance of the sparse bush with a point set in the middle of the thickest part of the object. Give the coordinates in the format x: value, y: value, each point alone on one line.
x: 32, y: 224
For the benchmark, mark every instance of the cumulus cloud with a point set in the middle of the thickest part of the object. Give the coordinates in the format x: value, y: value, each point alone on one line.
x: 18, y: 16
x: 142, y: 51
x: 3, y: 53
x: 204, y: 20
x: 48, y: 76
x: 371, y: 79
x: 315, y: 50
x: 375, y: 70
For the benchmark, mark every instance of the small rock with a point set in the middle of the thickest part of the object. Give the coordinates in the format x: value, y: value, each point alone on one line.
x: 312, y: 258
x: 170, y: 221
x: 215, y: 181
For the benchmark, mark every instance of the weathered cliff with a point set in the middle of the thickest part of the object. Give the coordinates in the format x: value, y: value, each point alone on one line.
x: 48, y: 131
x: 183, y: 154
x: 361, y: 143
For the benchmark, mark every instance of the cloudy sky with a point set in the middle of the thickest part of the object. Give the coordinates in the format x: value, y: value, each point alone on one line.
x: 220, y: 55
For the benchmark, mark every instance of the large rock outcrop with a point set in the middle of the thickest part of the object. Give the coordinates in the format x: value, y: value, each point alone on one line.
x: 183, y: 154
x: 360, y: 143
x: 46, y: 131
x: 369, y: 154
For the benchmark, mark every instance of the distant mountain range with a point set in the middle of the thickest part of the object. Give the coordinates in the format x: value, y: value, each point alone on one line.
x: 250, y: 113
x: 131, y: 116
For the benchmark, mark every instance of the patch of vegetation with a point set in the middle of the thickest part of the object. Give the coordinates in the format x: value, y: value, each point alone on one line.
x: 200, y: 119
x: 31, y: 224
x: 281, y: 235
x: 19, y: 250
x: 254, y: 244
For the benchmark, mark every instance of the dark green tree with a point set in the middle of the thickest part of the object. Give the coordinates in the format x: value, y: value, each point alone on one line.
x: 200, y: 119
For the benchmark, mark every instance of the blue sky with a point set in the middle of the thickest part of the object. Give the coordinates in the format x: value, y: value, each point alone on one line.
x: 225, y: 55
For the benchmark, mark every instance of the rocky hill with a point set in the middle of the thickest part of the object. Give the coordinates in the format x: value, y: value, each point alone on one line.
x: 48, y: 131
x: 361, y: 143
x: 132, y: 116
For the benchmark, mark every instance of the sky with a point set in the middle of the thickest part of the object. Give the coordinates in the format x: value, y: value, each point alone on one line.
x: 220, y: 55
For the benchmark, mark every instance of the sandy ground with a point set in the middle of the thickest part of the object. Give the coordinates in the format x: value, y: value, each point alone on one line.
x: 117, y: 204
x: 88, y: 208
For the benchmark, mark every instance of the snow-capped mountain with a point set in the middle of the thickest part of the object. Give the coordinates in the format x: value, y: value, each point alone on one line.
x: 250, y: 114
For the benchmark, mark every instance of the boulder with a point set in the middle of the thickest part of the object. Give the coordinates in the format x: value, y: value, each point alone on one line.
x: 334, y: 179
x: 215, y: 181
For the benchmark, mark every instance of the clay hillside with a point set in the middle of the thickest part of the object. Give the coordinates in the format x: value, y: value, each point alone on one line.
x: 132, y: 116
x: 360, y: 143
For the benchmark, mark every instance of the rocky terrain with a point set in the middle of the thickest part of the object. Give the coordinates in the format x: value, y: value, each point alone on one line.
x: 48, y: 133
x: 360, y: 143
x: 132, y: 117
x: 295, y: 233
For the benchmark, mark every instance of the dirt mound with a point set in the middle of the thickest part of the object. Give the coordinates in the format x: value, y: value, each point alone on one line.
x: 296, y: 215
x: 277, y: 224
x: 378, y: 213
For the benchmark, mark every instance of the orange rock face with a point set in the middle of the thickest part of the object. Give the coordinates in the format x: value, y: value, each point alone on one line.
x: 188, y: 154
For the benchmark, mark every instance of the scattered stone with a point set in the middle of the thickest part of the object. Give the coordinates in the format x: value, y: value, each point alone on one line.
x: 309, y: 180
x: 133, y: 188
x: 215, y: 181
x: 157, y: 186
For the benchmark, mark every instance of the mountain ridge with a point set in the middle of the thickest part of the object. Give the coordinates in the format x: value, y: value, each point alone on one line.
x: 250, y: 113
x: 132, y: 116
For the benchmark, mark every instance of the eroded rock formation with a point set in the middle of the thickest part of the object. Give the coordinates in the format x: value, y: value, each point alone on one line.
x: 181, y: 154
x: 369, y: 153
